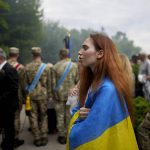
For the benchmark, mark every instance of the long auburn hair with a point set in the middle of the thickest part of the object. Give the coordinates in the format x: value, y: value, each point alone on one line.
x: 128, y: 71
x: 109, y: 65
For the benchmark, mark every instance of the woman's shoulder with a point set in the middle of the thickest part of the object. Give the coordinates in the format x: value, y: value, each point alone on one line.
x: 106, y: 86
x: 107, y: 83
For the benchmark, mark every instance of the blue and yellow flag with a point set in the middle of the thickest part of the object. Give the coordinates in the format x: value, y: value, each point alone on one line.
x: 107, y: 126
x: 67, y: 43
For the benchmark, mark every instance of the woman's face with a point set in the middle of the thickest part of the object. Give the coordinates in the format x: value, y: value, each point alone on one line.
x: 88, y: 55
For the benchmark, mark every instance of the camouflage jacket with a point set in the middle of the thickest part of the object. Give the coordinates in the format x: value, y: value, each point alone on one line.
x: 70, y: 80
x: 21, y: 73
x: 42, y: 90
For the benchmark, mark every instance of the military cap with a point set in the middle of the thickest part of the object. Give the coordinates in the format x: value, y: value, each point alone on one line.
x: 2, y: 53
x: 64, y: 52
x: 13, y: 50
x: 36, y: 50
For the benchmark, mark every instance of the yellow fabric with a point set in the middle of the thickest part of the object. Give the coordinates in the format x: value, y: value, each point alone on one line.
x: 73, y: 119
x: 114, y: 138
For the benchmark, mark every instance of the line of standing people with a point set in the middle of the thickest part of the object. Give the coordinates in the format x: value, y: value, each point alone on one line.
x: 9, y: 102
x: 42, y: 95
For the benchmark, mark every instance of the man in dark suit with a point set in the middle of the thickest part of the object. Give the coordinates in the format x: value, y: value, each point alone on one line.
x: 8, y: 100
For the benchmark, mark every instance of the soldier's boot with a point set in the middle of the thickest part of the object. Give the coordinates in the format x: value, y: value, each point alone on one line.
x: 37, y: 142
x: 44, y: 141
x: 18, y: 142
x: 62, y: 139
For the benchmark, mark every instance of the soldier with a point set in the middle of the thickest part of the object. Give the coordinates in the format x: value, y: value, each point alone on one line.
x: 51, y: 112
x: 68, y: 71
x: 39, y: 96
x: 13, y: 57
x: 8, y: 101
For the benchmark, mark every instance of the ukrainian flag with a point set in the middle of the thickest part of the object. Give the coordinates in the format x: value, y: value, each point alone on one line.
x: 67, y: 43
x: 108, y: 125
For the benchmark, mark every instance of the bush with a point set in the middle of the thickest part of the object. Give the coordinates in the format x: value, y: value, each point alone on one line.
x: 141, y: 106
x: 135, y: 69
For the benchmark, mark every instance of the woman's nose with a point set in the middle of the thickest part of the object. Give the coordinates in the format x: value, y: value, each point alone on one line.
x: 79, y: 55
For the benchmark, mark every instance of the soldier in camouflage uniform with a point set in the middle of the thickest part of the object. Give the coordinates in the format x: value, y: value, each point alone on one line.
x: 51, y: 112
x: 39, y: 98
x: 13, y: 57
x: 144, y: 133
x: 62, y: 93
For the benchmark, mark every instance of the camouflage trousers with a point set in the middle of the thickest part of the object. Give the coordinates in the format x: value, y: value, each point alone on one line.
x: 17, y: 120
x: 38, y: 119
x: 144, y: 133
x: 17, y: 123
x: 63, y: 117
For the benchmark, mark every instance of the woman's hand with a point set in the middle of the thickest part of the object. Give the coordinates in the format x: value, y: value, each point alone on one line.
x: 74, y: 91
x: 83, y: 112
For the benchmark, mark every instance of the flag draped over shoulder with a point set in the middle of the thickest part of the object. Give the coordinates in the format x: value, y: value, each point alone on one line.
x: 107, y: 126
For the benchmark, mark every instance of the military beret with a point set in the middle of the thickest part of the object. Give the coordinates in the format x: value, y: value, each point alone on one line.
x: 64, y: 52
x: 2, y: 53
x: 36, y: 50
x: 14, y: 50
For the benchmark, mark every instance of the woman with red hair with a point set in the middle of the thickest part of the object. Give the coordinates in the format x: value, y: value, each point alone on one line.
x: 102, y: 119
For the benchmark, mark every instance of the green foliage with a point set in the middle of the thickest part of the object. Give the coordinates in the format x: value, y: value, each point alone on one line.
x: 4, y: 7
x: 3, y: 23
x: 52, y: 41
x: 53, y: 35
x: 24, y: 25
x: 135, y: 68
x: 124, y: 44
x: 141, y: 106
x: 77, y: 38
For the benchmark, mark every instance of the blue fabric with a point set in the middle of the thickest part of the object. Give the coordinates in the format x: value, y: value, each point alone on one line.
x: 67, y: 43
x: 36, y: 78
x: 106, y: 111
x: 75, y: 109
x: 60, y: 81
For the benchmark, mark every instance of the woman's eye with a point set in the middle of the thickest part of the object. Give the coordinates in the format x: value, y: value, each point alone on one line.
x: 85, y: 47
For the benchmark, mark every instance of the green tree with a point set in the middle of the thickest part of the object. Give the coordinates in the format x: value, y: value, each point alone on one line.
x: 124, y: 44
x: 52, y: 40
x: 24, y: 25
x: 4, y: 7
x: 77, y: 38
x: 141, y: 107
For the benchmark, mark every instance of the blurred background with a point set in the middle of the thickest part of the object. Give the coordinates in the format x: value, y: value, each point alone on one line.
x: 45, y: 23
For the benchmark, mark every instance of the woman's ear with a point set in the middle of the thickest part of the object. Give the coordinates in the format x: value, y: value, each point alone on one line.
x: 100, y: 54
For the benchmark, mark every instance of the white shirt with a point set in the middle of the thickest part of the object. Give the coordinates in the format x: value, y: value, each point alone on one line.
x: 145, y: 68
x: 1, y: 65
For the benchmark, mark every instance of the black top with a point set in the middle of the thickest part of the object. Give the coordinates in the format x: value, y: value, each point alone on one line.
x: 8, y: 88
